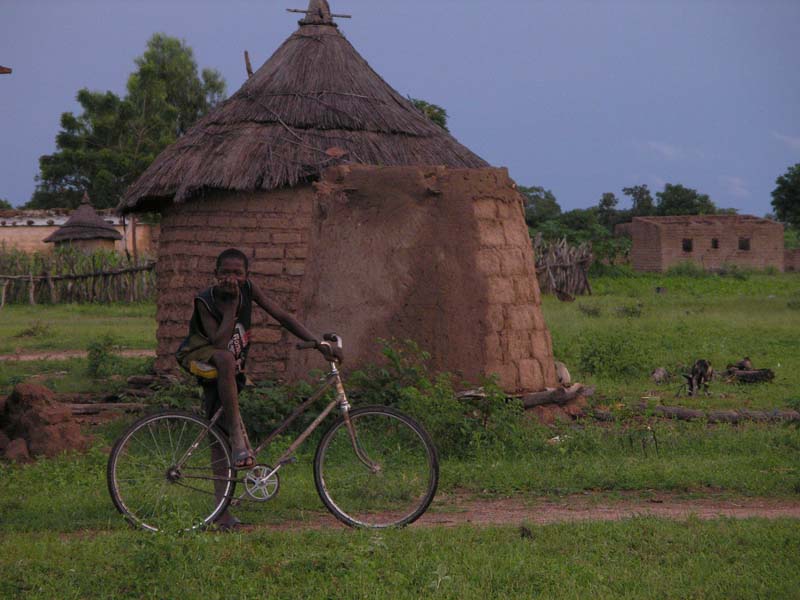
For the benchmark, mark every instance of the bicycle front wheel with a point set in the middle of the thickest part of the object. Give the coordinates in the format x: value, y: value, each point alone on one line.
x: 382, y: 471
x: 158, y: 480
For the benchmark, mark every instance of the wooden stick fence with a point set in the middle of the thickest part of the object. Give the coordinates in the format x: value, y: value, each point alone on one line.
x: 128, y: 284
x: 563, y: 269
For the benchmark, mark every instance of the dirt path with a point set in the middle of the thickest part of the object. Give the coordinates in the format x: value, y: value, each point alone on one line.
x: 454, y: 511
x: 66, y: 354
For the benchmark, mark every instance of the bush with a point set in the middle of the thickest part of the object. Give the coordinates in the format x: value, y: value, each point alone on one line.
x: 459, y: 427
x: 102, y: 361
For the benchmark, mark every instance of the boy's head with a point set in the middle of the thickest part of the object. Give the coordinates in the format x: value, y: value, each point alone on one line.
x: 231, y: 270
x: 232, y: 253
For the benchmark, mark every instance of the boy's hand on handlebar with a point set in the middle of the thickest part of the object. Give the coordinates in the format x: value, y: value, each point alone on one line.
x: 330, y: 352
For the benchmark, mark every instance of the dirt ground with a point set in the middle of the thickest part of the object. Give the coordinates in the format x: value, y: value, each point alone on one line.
x: 455, y: 510
x: 67, y: 354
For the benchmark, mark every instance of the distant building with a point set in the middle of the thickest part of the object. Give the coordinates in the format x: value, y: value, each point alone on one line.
x: 709, y: 241
x: 86, y: 230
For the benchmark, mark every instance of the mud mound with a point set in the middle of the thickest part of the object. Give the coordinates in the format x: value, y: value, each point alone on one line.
x: 32, y: 423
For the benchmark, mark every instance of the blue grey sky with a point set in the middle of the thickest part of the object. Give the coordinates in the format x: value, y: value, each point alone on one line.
x: 579, y: 97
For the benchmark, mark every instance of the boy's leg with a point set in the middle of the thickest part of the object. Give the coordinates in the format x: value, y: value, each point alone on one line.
x: 229, y: 396
x: 219, y: 463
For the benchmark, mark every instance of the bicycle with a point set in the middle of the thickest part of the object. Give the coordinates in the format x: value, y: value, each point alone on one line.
x: 374, y: 467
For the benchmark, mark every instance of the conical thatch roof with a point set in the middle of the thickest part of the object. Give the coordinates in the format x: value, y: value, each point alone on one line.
x: 315, y: 103
x: 84, y: 224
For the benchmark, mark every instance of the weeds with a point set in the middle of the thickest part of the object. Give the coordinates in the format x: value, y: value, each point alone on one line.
x: 35, y: 329
x: 630, y: 311
x: 590, y: 310
x: 102, y: 360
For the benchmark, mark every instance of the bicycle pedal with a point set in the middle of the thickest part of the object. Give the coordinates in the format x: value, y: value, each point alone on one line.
x: 288, y: 461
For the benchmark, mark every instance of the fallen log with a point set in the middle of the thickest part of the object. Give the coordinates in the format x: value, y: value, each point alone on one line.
x: 99, y: 407
x: 559, y: 396
x: 726, y: 416
x: 750, y: 375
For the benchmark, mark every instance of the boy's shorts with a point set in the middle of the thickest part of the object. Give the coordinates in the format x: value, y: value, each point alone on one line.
x: 194, y: 349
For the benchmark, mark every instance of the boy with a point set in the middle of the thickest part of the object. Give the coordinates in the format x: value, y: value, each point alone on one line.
x: 219, y: 335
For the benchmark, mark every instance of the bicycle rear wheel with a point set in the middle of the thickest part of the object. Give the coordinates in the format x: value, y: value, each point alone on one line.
x: 156, y: 486
x: 389, y: 481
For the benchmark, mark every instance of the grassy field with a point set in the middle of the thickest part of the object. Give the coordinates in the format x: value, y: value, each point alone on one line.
x: 25, y: 328
x: 615, y: 338
x: 60, y: 536
x: 635, y: 558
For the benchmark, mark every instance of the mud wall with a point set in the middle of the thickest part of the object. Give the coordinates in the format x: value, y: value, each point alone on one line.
x: 441, y: 256
x: 271, y: 228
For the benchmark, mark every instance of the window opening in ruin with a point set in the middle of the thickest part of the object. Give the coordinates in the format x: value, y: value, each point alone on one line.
x: 744, y: 244
x: 714, y: 243
x: 687, y: 244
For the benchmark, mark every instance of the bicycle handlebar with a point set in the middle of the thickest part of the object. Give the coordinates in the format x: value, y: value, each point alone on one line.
x: 328, y: 337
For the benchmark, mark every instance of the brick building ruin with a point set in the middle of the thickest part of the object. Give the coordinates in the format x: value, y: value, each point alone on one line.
x: 710, y: 241
x: 359, y: 214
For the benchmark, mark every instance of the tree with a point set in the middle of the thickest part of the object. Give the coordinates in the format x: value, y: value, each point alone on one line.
x: 641, y: 199
x: 679, y: 200
x: 113, y: 140
x: 540, y: 205
x: 5, y: 204
x: 786, y: 196
x: 434, y: 112
x: 607, y: 210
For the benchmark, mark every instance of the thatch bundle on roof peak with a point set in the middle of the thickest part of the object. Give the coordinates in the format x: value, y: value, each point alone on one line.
x: 314, y: 104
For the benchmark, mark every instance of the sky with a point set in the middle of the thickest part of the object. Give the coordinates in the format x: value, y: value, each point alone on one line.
x: 581, y: 98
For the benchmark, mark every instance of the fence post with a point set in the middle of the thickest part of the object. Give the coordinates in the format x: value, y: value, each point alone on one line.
x: 3, y: 292
x: 32, y: 290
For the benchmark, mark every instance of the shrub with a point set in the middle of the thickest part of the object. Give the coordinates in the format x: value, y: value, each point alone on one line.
x: 102, y: 361
x: 459, y: 427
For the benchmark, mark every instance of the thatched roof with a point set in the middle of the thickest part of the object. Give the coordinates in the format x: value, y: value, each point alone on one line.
x: 315, y: 103
x: 84, y: 224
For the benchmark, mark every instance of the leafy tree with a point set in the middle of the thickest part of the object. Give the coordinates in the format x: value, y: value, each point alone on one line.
x: 679, y: 200
x: 113, y: 140
x: 5, y: 204
x: 786, y: 196
x: 642, y: 200
x: 540, y: 205
x: 607, y: 210
x: 434, y: 112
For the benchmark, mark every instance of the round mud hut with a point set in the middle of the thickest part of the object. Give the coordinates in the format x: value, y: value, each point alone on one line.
x: 85, y: 230
x: 358, y: 213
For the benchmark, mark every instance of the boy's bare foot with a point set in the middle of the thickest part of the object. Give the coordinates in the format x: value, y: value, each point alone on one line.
x: 243, y: 458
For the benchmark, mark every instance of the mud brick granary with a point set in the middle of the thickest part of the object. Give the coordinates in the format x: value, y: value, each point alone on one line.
x: 359, y: 214
x: 85, y: 229
x: 710, y: 241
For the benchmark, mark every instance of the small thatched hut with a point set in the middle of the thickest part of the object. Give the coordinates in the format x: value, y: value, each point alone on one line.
x: 359, y: 213
x: 86, y: 230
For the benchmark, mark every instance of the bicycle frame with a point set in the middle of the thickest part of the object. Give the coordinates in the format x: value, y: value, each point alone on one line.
x: 332, y: 379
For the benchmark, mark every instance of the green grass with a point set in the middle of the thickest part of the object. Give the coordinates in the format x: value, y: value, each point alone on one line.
x: 69, y: 493
x: 74, y: 326
x: 635, y: 558
x: 718, y: 318
x: 70, y: 376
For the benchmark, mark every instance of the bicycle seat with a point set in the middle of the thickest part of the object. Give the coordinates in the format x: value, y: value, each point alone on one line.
x: 203, y: 370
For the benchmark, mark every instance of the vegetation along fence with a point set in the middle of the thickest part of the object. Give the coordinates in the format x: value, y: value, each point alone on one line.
x: 563, y: 269
x: 68, y: 275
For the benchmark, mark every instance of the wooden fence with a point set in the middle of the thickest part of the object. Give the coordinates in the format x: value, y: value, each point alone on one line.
x: 126, y: 284
x: 563, y: 269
